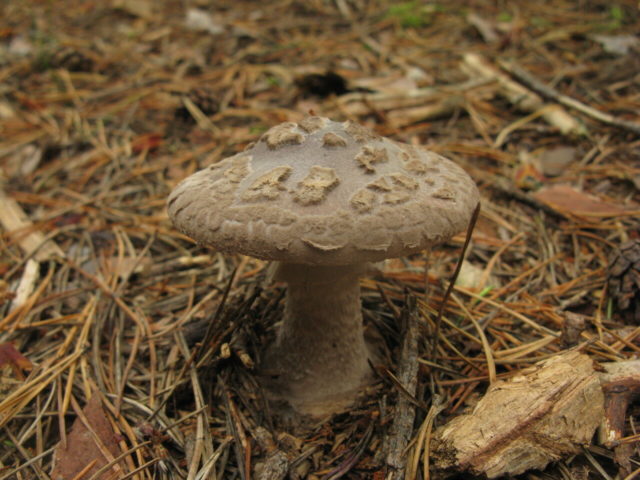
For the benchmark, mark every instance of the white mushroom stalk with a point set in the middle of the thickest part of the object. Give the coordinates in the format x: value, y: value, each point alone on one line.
x: 324, y: 198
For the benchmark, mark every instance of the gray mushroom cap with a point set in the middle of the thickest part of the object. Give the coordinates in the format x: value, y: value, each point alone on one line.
x: 325, y: 193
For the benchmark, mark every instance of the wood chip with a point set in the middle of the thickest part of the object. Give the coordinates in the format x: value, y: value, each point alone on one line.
x: 16, y: 222
x: 547, y: 413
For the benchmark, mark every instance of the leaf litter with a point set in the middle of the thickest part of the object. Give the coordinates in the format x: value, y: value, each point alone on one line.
x: 105, y: 106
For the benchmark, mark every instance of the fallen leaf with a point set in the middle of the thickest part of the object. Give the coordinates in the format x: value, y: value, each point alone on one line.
x: 137, y: 8
x: 200, y: 21
x: 146, y: 141
x: 12, y: 363
x: 96, y: 446
x: 486, y: 28
x: 528, y: 177
x: 473, y: 277
x: 566, y: 199
x: 10, y: 356
x: 6, y: 111
x: 125, y: 266
x: 617, y: 44
x: 554, y: 161
x: 20, y: 46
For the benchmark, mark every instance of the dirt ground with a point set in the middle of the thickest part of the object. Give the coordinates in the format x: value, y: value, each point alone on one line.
x: 123, y: 339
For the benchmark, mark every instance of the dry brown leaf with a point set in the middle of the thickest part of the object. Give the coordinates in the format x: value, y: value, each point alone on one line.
x: 566, y: 199
x: 555, y: 161
x: 96, y: 446
x: 12, y: 364
x: 618, y: 44
x: 10, y: 356
x: 137, y: 8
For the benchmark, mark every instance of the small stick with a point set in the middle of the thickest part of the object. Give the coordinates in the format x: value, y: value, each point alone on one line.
x: 452, y: 281
x: 621, y: 385
x: 16, y: 222
x: 27, y: 284
x: 525, y: 77
x: 408, y: 378
x: 519, y: 96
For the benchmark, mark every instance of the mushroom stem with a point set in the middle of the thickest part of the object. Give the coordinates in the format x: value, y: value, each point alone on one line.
x: 320, y: 355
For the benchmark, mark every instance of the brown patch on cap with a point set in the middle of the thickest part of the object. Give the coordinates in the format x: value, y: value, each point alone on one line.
x: 363, y: 200
x: 395, y: 197
x: 281, y: 135
x: 414, y: 166
x: 450, y: 179
x: 369, y: 156
x: 358, y: 132
x: 311, y: 124
x: 239, y: 169
x: 403, y: 181
x: 333, y: 140
x: 401, y: 190
x: 269, y: 185
x: 316, y: 185
x: 380, y: 185
x: 444, y: 193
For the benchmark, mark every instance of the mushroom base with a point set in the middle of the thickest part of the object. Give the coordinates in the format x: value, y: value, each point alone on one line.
x: 319, y: 361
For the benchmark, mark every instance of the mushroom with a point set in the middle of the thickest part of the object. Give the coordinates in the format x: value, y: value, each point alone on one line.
x: 323, y: 199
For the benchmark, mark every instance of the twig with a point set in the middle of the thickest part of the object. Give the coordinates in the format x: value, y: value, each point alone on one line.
x: 405, y: 414
x: 525, y: 77
x: 467, y: 240
x: 491, y: 364
x: 520, y: 96
x: 240, y: 441
x: 402, y: 109
x: 16, y: 222
x: 344, y: 468
x: 28, y: 463
x: 423, y: 441
x: 26, y: 455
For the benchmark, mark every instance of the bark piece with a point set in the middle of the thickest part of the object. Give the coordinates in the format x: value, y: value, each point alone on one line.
x: 405, y: 413
x: 621, y: 386
x: 545, y: 414
x: 276, y: 463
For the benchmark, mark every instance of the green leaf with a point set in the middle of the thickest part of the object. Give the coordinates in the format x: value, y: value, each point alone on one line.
x: 413, y: 14
x: 505, y: 17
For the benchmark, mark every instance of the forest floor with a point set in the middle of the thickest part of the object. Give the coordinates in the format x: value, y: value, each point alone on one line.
x: 106, y: 106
